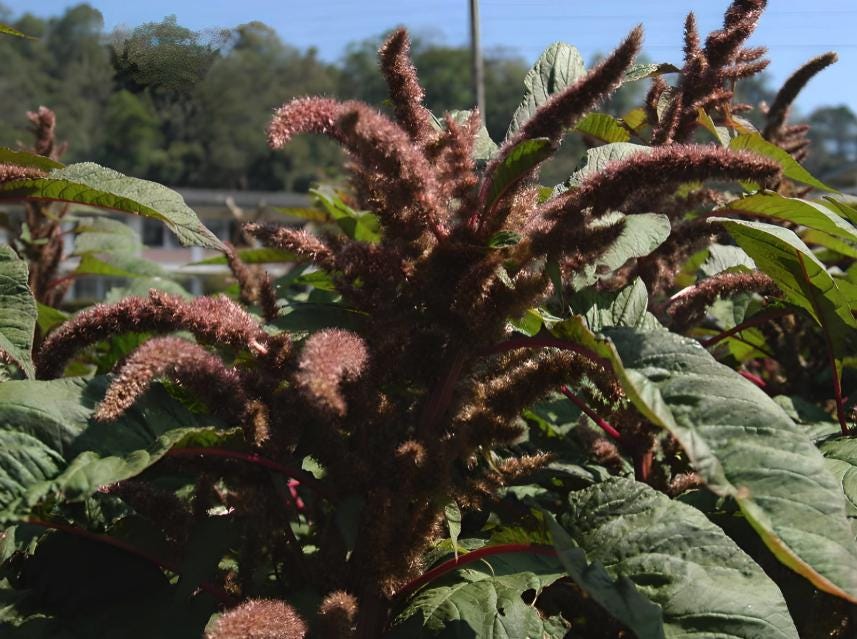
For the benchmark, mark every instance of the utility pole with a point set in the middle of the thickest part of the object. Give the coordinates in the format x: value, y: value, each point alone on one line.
x: 476, y: 59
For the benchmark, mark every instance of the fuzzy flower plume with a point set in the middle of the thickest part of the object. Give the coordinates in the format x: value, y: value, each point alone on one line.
x: 184, y: 362
x: 254, y: 283
x: 43, y: 123
x: 210, y: 319
x: 793, y: 139
x: 259, y: 619
x: 553, y: 118
x: 303, y: 115
x: 621, y: 180
x: 406, y: 93
x: 689, y: 305
x: 305, y: 245
x: 386, y: 158
x: 12, y: 172
x: 337, y: 615
x: 710, y: 71
x: 563, y: 109
x: 330, y: 358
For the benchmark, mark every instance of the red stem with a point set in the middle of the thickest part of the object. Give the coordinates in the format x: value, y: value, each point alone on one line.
x: 602, y: 423
x: 291, y: 471
x: 758, y: 381
x: 475, y: 555
x: 441, y: 396
x: 756, y: 320
x: 215, y: 591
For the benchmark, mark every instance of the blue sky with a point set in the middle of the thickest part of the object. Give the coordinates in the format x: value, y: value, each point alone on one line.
x: 794, y: 30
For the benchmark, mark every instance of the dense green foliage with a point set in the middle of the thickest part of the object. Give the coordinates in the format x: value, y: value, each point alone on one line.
x: 476, y: 403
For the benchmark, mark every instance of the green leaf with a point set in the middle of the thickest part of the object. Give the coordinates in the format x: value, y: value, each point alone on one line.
x: 481, y: 600
x: 724, y: 257
x: 5, y: 29
x: 17, y: 311
x: 743, y: 446
x: 22, y: 158
x: 94, y: 185
x: 625, y: 307
x: 803, y: 279
x: 362, y: 226
x: 520, y: 161
x: 791, y: 169
x: 647, y: 70
x: 642, y: 233
x: 720, y: 133
x: 705, y: 585
x: 50, y: 448
x: 49, y: 318
x: 829, y: 242
x: 119, y: 265
x: 558, y: 67
x: 809, y: 214
x: 618, y: 597
x: 841, y: 457
x: 604, y: 127
x: 453, y: 521
x: 503, y: 239
x: 263, y: 255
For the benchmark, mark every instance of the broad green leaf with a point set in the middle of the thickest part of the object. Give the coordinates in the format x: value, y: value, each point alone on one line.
x: 742, y: 444
x: 720, y: 133
x: 94, y: 185
x: 803, y: 279
x: 635, y: 118
x: 723, y: 257
x: 521, y: 159
x: 49, y: 318
x: 791, y: 169
x: 705, y: 585
x: 119, y: 265
x: 263, y: 255
x: 812, y: 419
x: 482, y: 599
x: 22, y: 158
x: 558, y: 67
x: 359, y: 225
x: 803, y: 212
x: 642, y: 233
x: 5, y: 29
x: 844, y: 203
x: 647, y: 70
x: 51, y: 447
x: 841, y: 457
x: 626, y: 307
x: 617, y: 596
x: 17, y: 311
x: 452, y: 513
x: 603, y: 127
x: 834, y: 244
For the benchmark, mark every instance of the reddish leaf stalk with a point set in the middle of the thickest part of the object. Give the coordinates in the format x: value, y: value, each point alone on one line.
x: 758, y: 381
x: 475, y: 555
x: 756, y: 320
x: 252, y: 458
x: 215, y: 591
x: 602, y: 423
